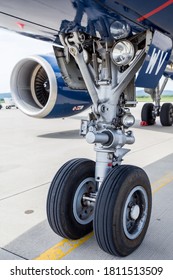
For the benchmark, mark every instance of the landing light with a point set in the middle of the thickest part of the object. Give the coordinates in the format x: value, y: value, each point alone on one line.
x: 120, y: 29
x: 128, y: 120
x: 122, y: 53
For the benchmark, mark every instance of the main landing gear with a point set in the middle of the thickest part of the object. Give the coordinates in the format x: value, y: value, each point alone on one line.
x: 113, y: 199
x: 151, y: 111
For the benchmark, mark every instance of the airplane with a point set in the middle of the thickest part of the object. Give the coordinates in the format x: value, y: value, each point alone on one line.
x: 103, y: 50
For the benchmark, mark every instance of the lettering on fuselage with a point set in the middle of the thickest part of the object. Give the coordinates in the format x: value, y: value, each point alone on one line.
x: 157, y: 58
x: 78, y: 108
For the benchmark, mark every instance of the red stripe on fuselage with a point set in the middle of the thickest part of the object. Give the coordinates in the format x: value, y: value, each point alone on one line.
x: 155, y: 11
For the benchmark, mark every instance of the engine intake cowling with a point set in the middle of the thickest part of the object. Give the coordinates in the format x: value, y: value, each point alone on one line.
x: 39, y: 90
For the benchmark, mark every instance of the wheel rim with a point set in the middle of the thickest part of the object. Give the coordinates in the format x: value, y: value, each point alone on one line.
x: 83, y: 212
x: 135, y: 212
x: 171, y: 114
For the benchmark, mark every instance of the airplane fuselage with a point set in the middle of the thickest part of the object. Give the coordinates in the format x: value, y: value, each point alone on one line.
x: 44, y: 19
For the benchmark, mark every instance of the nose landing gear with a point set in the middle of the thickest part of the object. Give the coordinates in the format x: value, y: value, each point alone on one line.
x: 115, y: 199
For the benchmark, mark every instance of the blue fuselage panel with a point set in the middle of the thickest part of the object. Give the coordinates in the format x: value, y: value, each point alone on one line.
x: 155, y: 62
x: 43, y: 19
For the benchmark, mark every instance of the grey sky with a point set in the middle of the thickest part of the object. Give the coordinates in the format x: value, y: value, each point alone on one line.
x: 14, y: 47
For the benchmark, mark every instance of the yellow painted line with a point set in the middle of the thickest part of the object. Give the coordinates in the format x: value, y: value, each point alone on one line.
x: 162, y: 182
x: 65, y: 246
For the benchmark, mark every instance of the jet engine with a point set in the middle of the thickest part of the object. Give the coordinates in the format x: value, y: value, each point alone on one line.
x: 39, y: 90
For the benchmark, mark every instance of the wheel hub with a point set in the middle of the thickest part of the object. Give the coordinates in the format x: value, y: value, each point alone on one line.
x: 134, y: 217
x: 135, y: 211
x: 83, y: 209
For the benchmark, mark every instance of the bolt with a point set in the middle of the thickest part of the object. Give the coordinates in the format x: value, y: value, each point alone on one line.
x: 103, y: 108
x: 73, y: 51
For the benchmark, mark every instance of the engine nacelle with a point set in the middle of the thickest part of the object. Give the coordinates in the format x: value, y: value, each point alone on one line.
x: 39, y: 90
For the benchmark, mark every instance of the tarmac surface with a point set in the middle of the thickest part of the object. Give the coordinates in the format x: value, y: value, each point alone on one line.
x: 31, y: 152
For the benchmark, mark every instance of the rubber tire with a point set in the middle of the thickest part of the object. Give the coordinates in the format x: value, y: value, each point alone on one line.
x: 165, y: 114
x: 110, y: 203
x: 60, y: 198
x: 146, y: 114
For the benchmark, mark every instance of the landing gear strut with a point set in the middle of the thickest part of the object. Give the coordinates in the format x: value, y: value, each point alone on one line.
x: 115, y: 199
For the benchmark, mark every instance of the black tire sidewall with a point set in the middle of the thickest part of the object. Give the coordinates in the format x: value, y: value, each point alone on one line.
x: 108, y: 219
x: 73, y: 179
x: 131, y: 181
x: 165, y: 114
x: 61, y: 196
x: 146, y: 113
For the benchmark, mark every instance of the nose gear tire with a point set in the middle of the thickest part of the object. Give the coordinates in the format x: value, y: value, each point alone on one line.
x: 66, y: 213
x: 122, y: 210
